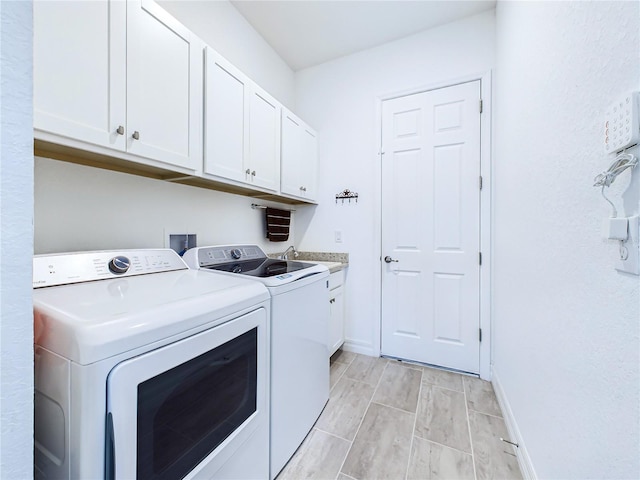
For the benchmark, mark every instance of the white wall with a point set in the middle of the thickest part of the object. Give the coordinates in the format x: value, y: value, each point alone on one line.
x: 83, y: 208
x: 223, y: 28
x: 124, y: 211
x: 338, y: 99
x: 16, y: 241
x: 566, y: 324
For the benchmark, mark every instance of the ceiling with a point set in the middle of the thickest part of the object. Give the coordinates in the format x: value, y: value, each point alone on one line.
x: 309, y: 32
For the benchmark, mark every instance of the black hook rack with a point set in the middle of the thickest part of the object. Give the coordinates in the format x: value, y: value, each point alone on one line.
x: 347, y: 195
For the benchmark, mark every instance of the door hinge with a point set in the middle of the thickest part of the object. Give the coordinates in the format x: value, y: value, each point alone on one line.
x: 480, y: 334
x: 479, y: 258
x: 480, y: 105
x: 480, y: 182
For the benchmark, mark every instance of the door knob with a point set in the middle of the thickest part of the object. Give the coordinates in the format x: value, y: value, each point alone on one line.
x: 388, y: 259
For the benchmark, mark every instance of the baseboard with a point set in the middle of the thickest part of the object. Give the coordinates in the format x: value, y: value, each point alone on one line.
x: 356, y: 346
x: 524, y: 461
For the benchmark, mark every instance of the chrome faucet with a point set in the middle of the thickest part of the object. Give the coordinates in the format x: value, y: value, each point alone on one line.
x: 285, y: 255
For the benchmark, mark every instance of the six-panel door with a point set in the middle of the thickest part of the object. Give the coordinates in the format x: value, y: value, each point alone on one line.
x: 431, y: 227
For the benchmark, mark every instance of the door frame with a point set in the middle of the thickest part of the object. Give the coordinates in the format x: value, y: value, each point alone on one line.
x: 486, y: 225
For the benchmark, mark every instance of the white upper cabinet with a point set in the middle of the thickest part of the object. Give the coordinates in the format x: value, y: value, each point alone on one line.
x: 242, y: 127
x: 299, y: 158
x: 164, y: 86
x: 264, y: 140
x: 126, y: 81
x: 122, y: 75
x: 79, y: 70
x: 226, y: 133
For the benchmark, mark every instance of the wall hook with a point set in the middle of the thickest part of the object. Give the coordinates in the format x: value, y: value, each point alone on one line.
x: 346, y: 195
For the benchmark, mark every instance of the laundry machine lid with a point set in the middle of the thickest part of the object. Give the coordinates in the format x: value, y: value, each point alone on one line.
x: 92, y: 320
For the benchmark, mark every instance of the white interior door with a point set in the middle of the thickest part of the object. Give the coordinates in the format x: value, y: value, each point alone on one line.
x: 431, y: 227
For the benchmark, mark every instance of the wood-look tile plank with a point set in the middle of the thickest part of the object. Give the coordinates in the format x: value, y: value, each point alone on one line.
x: 320, y: 456
x: 366, y: 369
x: 342, y: 356
x: 347, y: 405
x: 381, y: 447
x: 335, y: 372
x: 342, y: 476
x: 481, y: 397
x: 430, y: 461
x: 493, y: 458
x: 442, y: 417
x: 399, y: 387
x: 442, y: 378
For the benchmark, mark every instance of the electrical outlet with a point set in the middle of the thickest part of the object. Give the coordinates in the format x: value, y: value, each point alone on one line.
x: 338, y: 236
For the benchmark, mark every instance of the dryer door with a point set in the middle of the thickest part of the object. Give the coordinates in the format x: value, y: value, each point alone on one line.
x: 184, y: 409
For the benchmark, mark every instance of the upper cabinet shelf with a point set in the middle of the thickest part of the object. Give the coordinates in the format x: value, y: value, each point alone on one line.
x: 123, y: 85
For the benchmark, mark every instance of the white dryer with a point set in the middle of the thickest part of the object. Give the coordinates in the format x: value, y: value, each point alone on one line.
x: 146, y: 369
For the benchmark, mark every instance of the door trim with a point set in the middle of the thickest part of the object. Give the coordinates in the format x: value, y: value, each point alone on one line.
x: 485, y: 208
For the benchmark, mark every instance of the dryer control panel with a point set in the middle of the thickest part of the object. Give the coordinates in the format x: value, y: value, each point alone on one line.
x: 65, y: 268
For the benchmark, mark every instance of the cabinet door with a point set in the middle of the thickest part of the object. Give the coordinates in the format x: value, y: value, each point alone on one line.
x: 291, y: 173
x: 225, y: 129
x: 264, y: 140
x: 336, y: 319
x: 79, y: 55
x: 309, y: 156
x: 299, y: 158
x: 164, y: 87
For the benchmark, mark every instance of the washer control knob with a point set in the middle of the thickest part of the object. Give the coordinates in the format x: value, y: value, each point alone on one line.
x: 236, y: 253
x: 119, y: 265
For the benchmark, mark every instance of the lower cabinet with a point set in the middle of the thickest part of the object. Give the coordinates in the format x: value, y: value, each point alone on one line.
x: 336, y: 304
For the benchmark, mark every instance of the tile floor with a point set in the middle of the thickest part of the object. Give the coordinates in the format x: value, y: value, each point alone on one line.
x: 391, y: 420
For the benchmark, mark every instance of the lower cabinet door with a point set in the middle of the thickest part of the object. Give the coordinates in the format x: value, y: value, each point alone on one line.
x: 336, y: 319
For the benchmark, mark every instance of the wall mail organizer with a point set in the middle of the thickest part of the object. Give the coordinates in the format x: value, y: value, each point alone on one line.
x: 347, y: 195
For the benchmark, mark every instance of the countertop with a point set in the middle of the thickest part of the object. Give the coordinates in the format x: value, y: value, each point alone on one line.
x: 335, y: 261
x: 332, y: 266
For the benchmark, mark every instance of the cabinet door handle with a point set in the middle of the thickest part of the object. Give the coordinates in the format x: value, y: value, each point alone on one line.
x: 120, y: 130
x: 253, y: 174
x: 247, y: 171
x: 333, y: 300
x: 136, y: 135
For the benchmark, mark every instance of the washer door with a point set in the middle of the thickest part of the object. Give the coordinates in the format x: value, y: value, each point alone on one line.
x: 184, y: 409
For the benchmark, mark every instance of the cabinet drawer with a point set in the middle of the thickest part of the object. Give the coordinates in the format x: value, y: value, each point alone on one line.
x: 336, y: 279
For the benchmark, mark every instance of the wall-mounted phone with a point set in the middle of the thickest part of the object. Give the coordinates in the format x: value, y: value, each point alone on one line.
x: 621, y: 125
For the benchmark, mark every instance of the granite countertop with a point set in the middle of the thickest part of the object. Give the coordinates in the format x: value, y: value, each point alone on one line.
x: 334, y: 261
x: 332, y: 266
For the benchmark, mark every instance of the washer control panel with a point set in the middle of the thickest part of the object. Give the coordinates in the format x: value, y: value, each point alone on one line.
x: 217, y: 255
x: 64, y: 268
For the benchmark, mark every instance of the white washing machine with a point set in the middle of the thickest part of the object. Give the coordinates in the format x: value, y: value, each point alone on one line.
x: 299, y: 336
x: 146, y: 369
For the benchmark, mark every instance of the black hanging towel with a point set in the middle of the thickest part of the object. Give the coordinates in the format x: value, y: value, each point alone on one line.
x: 278, y: 222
